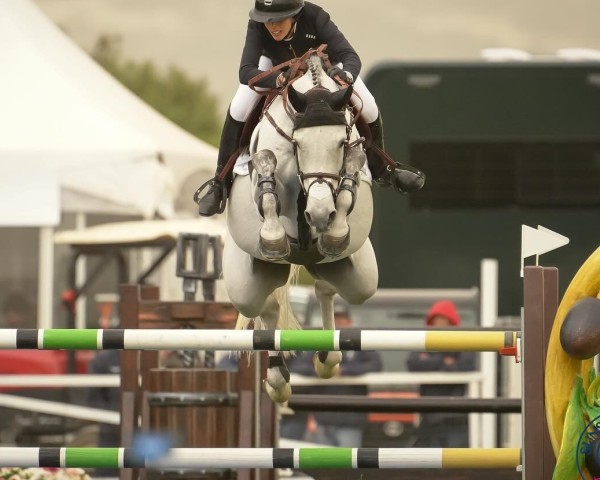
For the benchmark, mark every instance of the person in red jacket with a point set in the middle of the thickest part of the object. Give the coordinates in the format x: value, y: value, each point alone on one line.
x: 443, y: 430
x: 278, y: 31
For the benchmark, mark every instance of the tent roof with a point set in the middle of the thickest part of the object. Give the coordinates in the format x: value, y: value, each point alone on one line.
x: 62, y: 112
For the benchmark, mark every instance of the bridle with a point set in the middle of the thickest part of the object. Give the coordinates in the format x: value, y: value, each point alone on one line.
x: 336, y: 178
x: 335, y: 181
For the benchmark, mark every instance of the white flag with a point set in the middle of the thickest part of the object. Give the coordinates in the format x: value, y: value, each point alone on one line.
x: 536, y: 242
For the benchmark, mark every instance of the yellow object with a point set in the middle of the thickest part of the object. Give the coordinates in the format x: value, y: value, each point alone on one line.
x: 562, y: 370
x: 467, y: 341
x: 481, y: 457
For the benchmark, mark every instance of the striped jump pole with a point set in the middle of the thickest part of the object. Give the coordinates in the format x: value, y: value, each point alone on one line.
x: 267, y: 458
x: 276, y: 340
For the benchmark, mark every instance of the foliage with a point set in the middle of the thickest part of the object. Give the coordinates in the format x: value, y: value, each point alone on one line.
x: 43, y: 474
x: 186, y: 101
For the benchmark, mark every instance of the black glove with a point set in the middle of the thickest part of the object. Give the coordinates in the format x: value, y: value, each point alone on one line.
x: 345, y: 76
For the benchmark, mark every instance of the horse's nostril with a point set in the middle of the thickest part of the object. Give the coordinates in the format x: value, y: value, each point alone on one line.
x: 307, y: 216
x: 332, y: 217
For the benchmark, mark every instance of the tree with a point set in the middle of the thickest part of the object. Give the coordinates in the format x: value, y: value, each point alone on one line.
x: 186, y: 101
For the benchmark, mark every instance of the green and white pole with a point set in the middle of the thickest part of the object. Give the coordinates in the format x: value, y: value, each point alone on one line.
x: 275, y: 340
x: 267, y: 458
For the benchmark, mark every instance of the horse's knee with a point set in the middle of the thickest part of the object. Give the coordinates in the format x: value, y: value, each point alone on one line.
x: 264, y: 161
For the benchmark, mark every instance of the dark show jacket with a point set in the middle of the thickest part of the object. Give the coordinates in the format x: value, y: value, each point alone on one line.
x: 314, y: 27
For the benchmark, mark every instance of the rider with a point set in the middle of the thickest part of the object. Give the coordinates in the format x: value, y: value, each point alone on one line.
x: 278, y: 31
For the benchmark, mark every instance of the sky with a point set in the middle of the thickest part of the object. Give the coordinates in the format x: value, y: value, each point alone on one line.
x: 205, y: 37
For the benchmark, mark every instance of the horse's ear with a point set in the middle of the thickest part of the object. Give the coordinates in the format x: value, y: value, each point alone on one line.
x: 297, y: 99
x: 341, y: 98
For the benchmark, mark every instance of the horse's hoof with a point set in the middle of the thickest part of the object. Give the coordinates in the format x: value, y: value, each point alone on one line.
x: 331, y: 246
x: 324, y: 370
x: 280, y: 395
x: 275, y: 249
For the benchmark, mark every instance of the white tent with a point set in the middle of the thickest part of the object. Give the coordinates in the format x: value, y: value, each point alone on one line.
x: 62, y: 113
x: 72, y: 139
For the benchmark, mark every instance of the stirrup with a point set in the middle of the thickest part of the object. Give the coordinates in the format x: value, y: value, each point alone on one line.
x: 211, y: 185
x: 417, y: 183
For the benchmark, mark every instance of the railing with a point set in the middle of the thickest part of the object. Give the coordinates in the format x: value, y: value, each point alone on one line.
x: 473, y: 380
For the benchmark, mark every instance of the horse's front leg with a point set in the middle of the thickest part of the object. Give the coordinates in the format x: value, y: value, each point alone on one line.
x: 326, y: 364
x: 273, y: 242
x: 337, y: 238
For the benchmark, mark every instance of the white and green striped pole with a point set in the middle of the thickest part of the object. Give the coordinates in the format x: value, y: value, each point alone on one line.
x: 267, y: 458
x: 276, y: 340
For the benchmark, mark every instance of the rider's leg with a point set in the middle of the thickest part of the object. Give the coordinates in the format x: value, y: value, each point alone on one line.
x: 405, y: 178
x: 242, y: 104
x: 244, y: 101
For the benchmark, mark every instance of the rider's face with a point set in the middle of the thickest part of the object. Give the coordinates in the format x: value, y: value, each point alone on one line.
x: 281, y: 29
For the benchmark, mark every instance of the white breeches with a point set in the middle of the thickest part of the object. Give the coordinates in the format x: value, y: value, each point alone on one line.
x: 245, y: 99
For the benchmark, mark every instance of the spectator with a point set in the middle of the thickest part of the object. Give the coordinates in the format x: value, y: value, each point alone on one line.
x: 17, y: 312
x: 445, y: 430
x: 342, y: 429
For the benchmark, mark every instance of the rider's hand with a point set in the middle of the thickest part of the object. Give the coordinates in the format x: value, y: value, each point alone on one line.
x: 283, y: 78
x: 345, y: 76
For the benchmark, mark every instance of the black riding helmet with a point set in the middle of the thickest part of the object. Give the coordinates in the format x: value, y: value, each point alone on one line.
x: 275, y: 10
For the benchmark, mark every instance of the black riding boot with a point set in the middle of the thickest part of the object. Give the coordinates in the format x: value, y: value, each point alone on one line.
x: 213, y: 201
x: 404, y: 178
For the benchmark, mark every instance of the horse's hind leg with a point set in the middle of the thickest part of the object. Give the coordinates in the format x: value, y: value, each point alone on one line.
x: 277, y: 383
x: 250, y: 281
x: 355, y: 279
x: 326, y: 364
x: 256, y: 288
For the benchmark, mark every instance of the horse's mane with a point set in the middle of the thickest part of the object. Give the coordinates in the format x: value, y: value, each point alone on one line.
x: 315, y: 67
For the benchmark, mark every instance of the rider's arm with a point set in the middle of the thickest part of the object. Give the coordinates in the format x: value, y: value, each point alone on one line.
x: 253, y: 49
x: 338, y: 47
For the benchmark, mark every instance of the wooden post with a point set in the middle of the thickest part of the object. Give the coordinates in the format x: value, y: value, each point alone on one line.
x: 540, y: 288
x: 131, y: 394
x: 140, y: 308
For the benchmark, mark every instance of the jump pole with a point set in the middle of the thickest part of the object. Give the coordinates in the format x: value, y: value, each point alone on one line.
x: 253, y: 340
x: 266, y: 458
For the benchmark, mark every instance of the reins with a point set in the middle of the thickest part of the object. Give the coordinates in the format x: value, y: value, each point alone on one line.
x: 297, y: 68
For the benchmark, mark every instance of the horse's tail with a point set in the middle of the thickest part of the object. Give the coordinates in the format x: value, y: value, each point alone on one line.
x: 286, y: 319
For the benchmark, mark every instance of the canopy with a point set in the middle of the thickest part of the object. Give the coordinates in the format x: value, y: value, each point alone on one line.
x: 139, y: 234
x: 66, y: 121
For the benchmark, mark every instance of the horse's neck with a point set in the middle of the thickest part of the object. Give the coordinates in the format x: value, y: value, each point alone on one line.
x: 306, y: 81
x: 267, y: 137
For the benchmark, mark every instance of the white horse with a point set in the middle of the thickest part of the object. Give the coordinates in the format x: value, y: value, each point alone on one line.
x: 306, y: 202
